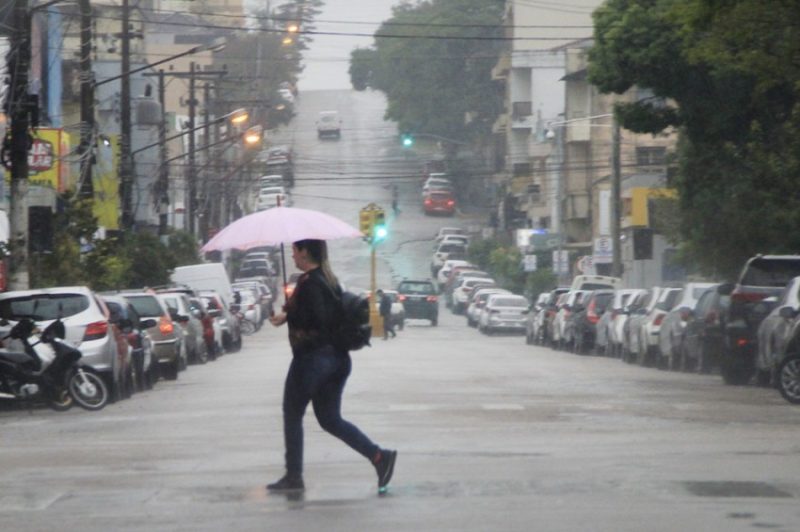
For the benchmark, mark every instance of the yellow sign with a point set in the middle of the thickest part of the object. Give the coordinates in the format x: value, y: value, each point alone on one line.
x: 47, y: 165
x: 106, y: 184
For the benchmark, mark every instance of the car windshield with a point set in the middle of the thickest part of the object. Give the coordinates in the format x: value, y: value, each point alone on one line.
x: 669, y: 300
x: 416, y: 288
x: 509, y: 302
x: 601, y: 301
x: 446, y: 248
x: 146, y: 306
x: 43, y: 306
x: 771, y: 272
x: 271, y: 190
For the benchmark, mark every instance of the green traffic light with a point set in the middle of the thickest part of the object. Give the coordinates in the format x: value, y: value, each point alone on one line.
x: 408, y: 140
x: 381, y: 232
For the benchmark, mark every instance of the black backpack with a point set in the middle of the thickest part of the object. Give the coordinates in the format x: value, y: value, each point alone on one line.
x: 354, y: 329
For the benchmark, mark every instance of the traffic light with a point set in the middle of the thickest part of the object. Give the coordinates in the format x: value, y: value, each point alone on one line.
x: 365, y: 222
x: 379, y: 230
x: 407, y: 139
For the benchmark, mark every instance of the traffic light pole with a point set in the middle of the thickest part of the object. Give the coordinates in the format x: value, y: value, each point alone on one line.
x: 371, y: 224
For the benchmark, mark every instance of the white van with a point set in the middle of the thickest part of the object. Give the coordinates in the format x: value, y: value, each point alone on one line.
x: 208, y: 276
x: 596, y: 282
x: 329, y: 124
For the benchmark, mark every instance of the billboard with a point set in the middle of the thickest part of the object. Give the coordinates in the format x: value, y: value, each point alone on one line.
x: 47, y: 165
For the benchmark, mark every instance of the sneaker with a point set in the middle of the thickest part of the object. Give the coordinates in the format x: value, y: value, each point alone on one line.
x: 385, y: 467
x: 287, y: 484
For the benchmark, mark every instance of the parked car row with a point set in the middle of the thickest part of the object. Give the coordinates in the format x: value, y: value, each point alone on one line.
x: 746, y: 330
x: 132, y: 338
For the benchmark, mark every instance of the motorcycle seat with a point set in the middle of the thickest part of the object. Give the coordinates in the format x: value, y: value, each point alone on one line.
x: 16, y: 357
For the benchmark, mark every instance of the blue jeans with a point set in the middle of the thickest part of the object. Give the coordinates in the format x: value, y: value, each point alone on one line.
x: 318, y: 377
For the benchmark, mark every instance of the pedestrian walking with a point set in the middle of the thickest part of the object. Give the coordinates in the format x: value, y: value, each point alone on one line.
x: 319, y: 369
x: 385, y: 310
x: 395, y: 198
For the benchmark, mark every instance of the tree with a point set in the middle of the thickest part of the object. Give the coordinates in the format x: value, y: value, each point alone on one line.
x: 432, y: 83
x: 729, y: 70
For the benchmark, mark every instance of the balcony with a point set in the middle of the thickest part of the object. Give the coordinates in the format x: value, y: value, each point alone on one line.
x: 522, y: 115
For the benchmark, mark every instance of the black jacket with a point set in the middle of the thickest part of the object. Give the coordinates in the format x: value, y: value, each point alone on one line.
x: 385, y: 307
x: 312, y: 313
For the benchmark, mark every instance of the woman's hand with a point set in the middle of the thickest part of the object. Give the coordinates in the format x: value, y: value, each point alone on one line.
x: 278, y: 319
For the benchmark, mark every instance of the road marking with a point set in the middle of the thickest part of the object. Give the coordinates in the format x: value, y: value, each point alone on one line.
x: 502, y: 406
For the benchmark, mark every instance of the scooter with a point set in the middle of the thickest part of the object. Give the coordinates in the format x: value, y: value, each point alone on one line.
x: 49, y: 368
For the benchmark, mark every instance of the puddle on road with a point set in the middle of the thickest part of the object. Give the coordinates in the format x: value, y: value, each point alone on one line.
x: 735, y: 489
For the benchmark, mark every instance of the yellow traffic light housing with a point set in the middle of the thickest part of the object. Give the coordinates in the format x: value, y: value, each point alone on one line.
x: 365, y: 222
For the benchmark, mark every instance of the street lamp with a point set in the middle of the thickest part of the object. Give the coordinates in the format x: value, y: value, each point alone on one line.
x: 253, y: 135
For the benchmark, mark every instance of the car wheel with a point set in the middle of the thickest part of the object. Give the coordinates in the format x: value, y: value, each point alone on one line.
x: 789, y: 379
x: 171, y: 370
x: 434, y: 322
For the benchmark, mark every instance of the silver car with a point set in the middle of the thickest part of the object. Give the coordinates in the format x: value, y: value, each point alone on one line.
x: 87, y: 322
x: 180, y: 310
x: 504, y: 312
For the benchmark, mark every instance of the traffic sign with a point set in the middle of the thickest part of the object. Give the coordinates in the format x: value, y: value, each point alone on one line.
x: 603, y: 251
x: 529, y: 263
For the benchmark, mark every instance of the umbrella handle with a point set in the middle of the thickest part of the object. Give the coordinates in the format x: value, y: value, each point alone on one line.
x: 283, y: 269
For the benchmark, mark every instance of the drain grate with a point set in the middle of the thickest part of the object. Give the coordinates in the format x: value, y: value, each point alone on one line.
x: 734, y: 489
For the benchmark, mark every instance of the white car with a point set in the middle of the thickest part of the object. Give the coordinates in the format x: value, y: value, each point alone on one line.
x: 287, y: 95
x: 250, y: 306
x: 504, y: 312
x: 619, y: 310
x: 674, y: 324
x: 447, y: 266
x: 650, y: 326
x: 444, y: 231
x: 478, y: 301
x: 463, y: 292
x: 269, y: 197
x: 329, y: 124
x: 561, y: 335
x: 442, y: 253
x: 454, y: 239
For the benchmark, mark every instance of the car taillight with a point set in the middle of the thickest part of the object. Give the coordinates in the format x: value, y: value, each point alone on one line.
x: 450, y: 203
x: 591, y: 315
x: 96, y: 330
x: 741, y: 342
x: 747, y: 297
x: 165, y: 325
x: 431, y: 299
x: 658, y: 319
x: 401, y: 298
x: 428, y: 201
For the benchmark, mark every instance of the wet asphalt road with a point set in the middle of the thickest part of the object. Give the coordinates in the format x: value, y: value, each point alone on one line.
x: 492, y: 434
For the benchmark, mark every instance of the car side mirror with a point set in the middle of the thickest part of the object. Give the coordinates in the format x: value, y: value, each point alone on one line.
x: 725, y: 289
x: 146, y: 324
x: 787, y: 312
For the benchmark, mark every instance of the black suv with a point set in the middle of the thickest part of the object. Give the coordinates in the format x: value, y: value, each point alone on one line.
x: 763, y: 276
x: 420, y: 300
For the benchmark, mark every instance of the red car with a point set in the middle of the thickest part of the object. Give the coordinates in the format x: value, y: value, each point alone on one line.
x: 439, y: 203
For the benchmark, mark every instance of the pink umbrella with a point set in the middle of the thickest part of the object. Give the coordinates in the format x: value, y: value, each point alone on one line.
x: 279, y: 225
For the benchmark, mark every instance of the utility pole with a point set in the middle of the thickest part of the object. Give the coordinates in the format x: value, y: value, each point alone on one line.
x: 125, y: 159
x: 163, y: 170
x: 18, y: 66
x: 191, y: 178
x: 616, y: 200
x: 86, y: 146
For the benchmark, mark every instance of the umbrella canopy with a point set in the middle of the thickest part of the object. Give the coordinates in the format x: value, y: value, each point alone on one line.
x: 277, y: 226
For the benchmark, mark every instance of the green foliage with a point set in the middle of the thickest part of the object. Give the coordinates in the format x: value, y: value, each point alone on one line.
x: 135, y: 261
x: 504, y: 262
x: 730, y: 67
x: 432, y: 83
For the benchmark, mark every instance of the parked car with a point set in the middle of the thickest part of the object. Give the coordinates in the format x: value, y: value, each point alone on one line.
x: 638, y: 310
x: 229, y: 322
x: 442, y: 253
x: 595, y: 282
x: 420, y: 300
x: 777, y: 331
x: 166, y: 335
x: 181, y: 313
x: 212, y: 331
x: 649, y: 328
x: 463, y: 291
x: 504, y: 312
x: 586, y: 316
x: 539, y: 322
x: 477, y: 301
x: 454, y: 279
x: 674, y: 324
x: 562, y: 331
x: 445, y: 231
x: 531, y: 324
x: 87, y: 326
x: 269, y: 197
x: 263, y: 295
x: 617, y: 327
x: 143, y: 360
x: 439, y: 202
x: 761, y: 277
x: 444, y: 271
x: 704, y: 337
x: 250, y: 307
x: 453, y: 239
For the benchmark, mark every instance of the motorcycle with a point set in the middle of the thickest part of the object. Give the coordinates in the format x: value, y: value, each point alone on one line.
x: 49, y: 368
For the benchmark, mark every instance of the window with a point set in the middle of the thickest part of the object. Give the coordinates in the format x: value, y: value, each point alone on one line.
x: 44, y: 306
x: 651, y: 155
